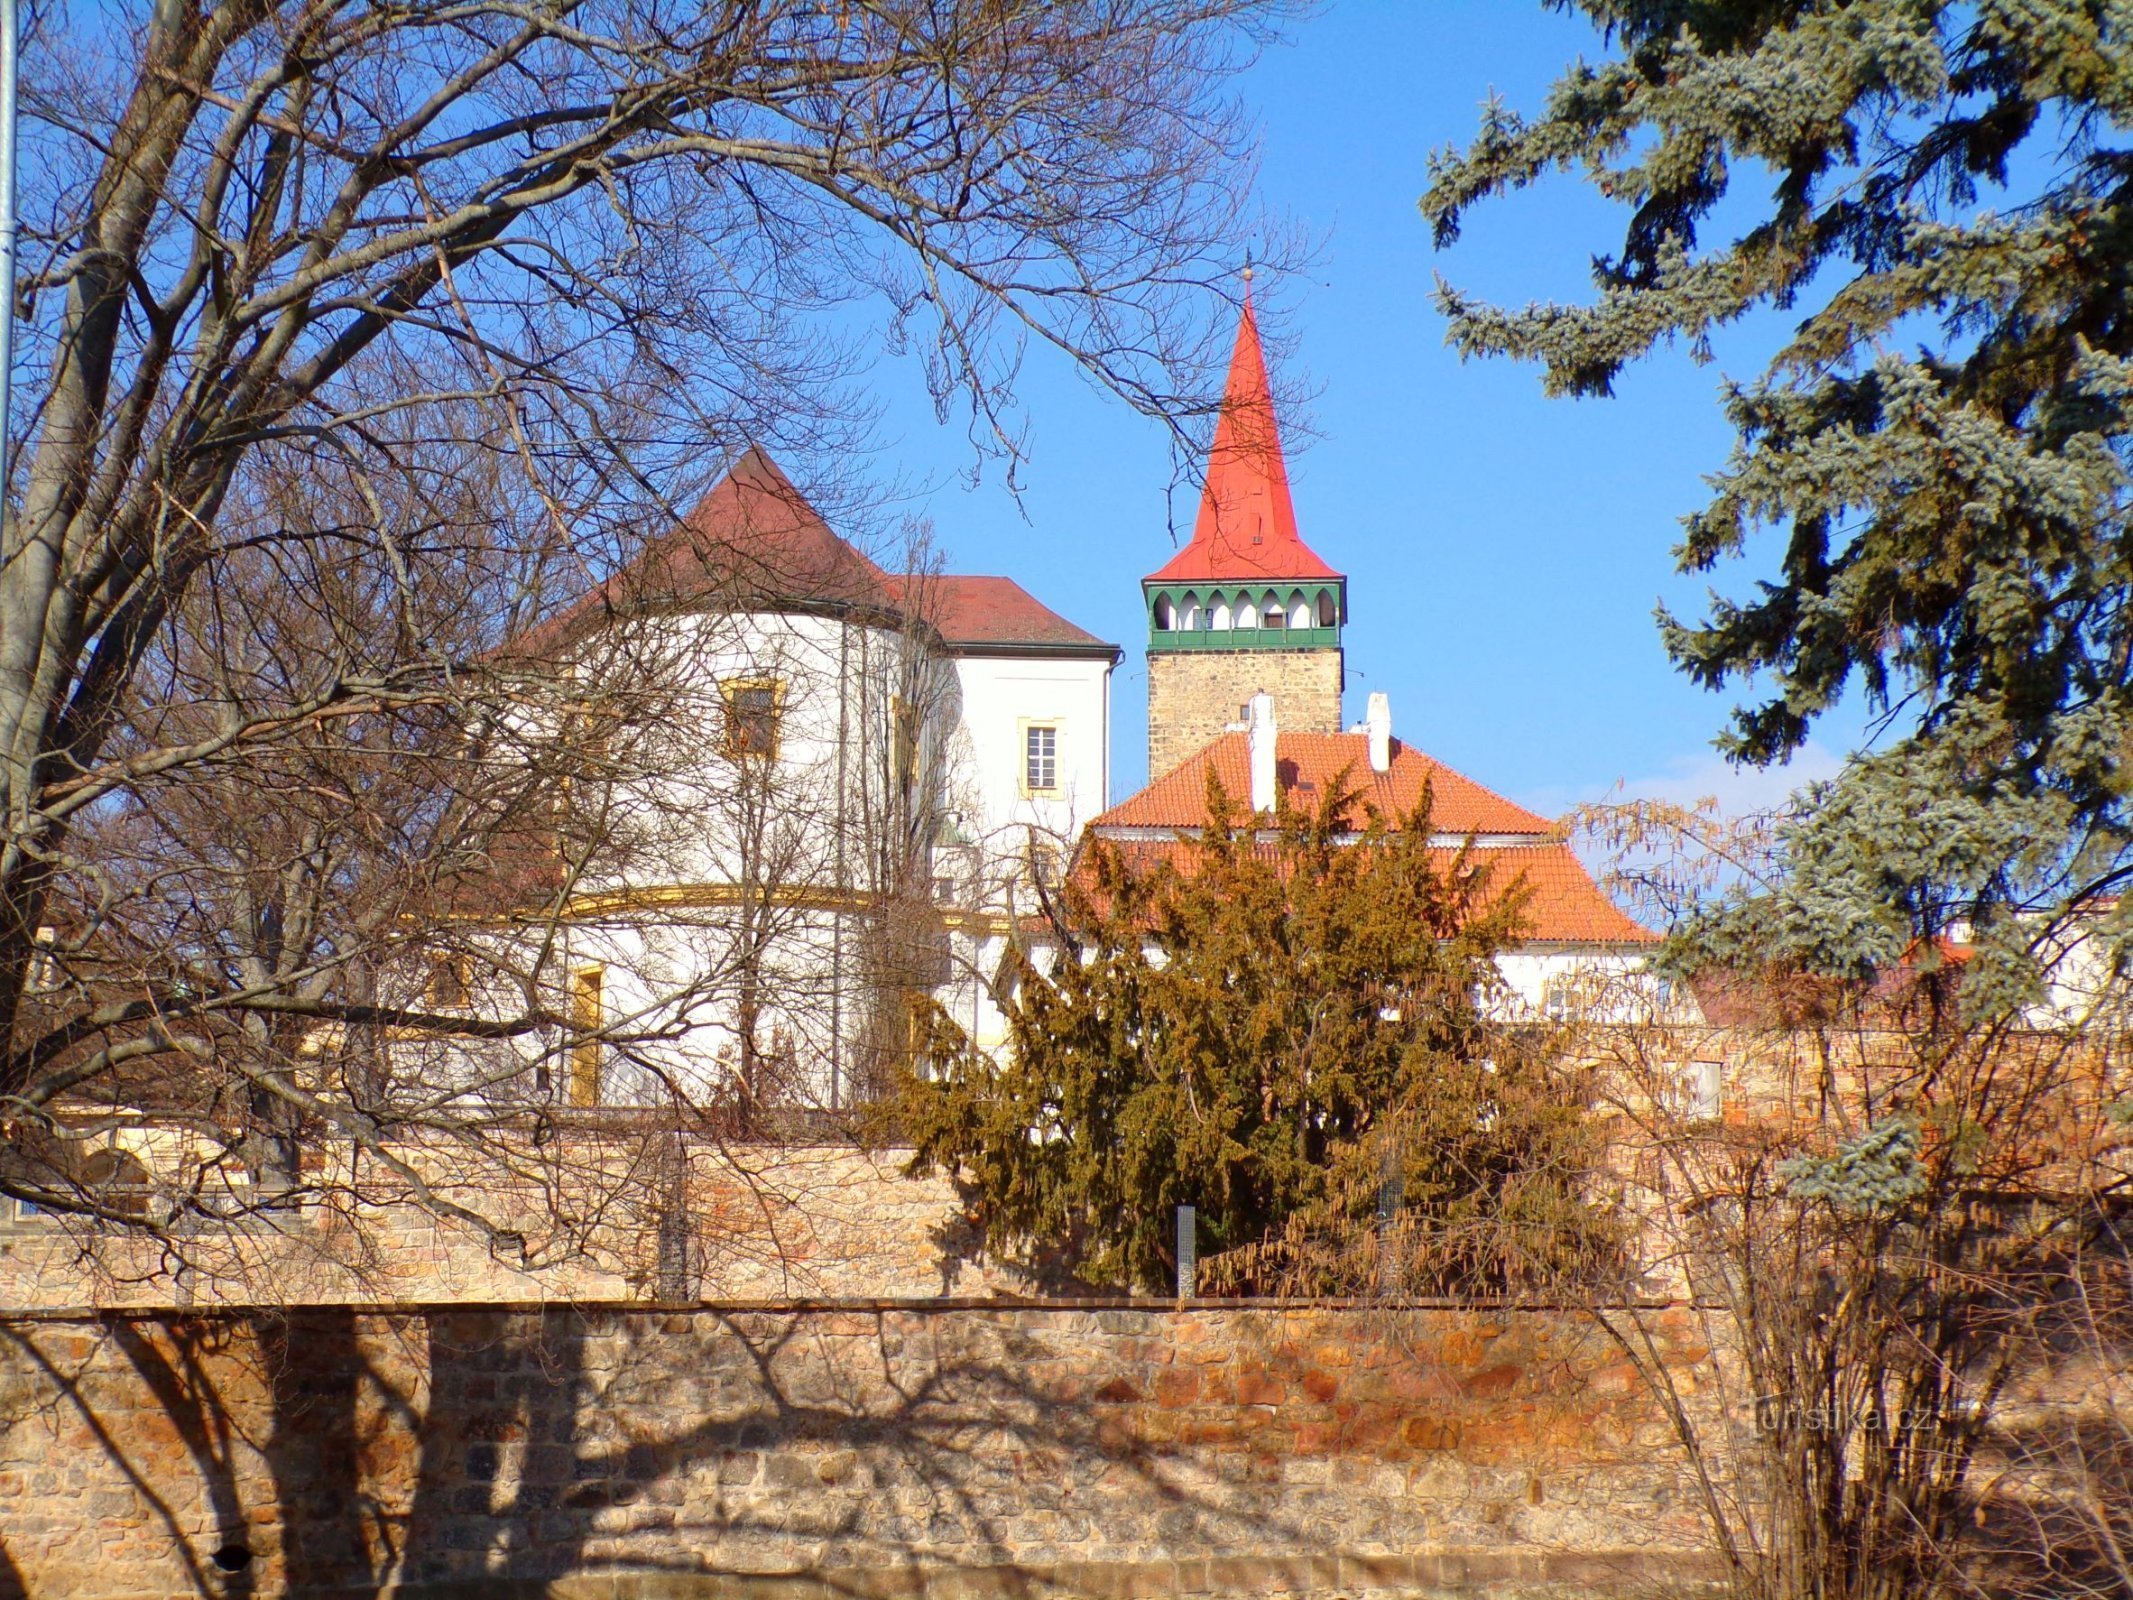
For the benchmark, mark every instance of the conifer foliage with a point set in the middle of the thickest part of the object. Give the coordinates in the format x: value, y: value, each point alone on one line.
x: 1938, y: 454
x: 1283, y: 1026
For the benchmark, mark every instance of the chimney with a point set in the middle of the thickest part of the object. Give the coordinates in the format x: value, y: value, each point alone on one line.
x: 1261, y: 712
x: 1377, y: 722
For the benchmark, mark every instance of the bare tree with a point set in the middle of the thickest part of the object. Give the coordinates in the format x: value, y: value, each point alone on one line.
x: 365, y: 337
x: 2056, y: 1508
x: 1884, y: 1198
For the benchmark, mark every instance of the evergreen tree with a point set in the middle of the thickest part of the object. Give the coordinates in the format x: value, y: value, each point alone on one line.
x: 1937, y: 458
x: 1941, y: 446
x: 1279, y: 1026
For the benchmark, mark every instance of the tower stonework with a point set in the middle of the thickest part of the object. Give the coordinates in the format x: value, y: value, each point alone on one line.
x: 1246, y: 606
x: 1194, y: 696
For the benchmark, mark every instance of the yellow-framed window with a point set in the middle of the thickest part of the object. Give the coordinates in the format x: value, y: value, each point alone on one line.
x: 755, y: 711
x: 1041, y: 742
x: 588, y: 1015
x: 904, y: 743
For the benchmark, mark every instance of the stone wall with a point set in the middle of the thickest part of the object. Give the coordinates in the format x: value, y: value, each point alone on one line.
x: 1194, y: 694
x: 964, y: 1449
x: 764, y: 1223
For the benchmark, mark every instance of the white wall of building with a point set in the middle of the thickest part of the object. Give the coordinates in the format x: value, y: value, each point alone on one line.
x: 1596, y: 983
x: 694, y: 812
x: 1004, y: 697
x: 693, y: 833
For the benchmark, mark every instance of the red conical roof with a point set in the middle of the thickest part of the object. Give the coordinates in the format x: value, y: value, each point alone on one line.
x: 1247, y: 524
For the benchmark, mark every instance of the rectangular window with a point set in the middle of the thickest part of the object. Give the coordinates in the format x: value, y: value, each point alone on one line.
x: 903, y: 718
x: 753, y: 707
x: 450, y: 978
x: 44, y: 962
x: 1040, y: 758
x: 1703, y: 1091
x: 1043, y: 861
x: 588, y: 1015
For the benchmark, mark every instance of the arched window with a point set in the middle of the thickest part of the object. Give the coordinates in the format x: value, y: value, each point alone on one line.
x: 1221, y: 614
x: 1190, y: 618
x: 1328, y: 614
x: 1299, y: 610
x: 1270, y: 613
x: 1247, y: 613
x: 1163, y: 615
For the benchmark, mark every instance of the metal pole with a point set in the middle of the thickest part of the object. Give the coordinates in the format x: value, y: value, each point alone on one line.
x: 10, y: 51
x: 1188, y: 1251
x: 1392, y: 1195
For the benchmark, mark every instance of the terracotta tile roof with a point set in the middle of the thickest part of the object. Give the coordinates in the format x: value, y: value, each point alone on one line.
x: 1247, y: 524
x: 1305, y: 765
x: 1566, y: 906
x: 756, y: 535
x: 972, y: 613
x: 1563, y: 905
x: 752, y: 541
x: 1777, y: 997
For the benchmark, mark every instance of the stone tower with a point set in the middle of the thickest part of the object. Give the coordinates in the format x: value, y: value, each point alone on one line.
x: 1246, y: 607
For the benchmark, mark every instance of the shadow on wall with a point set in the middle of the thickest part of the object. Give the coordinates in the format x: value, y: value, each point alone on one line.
x: 331, y: 1450
x: 1042, y: 1448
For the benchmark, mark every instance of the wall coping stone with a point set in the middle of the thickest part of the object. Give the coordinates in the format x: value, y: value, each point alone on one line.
x: 1452, y: 1574
x: 801, y: 1306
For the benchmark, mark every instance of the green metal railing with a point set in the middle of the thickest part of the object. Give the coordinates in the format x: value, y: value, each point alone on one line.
x: 1243, y: 638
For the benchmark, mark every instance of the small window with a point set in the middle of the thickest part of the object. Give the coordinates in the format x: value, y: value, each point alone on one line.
x: 1559, y: 1000
x: 1040, y: 758
x: 752, y: 711
x: 44, y: 975
x: 450, y: 978
x: 1162, y: 613
x: 588, y: 1015
x: 1044, y: 861
x: 904, y: 715
x: 1327, y: 615
x: 1703, y: 1091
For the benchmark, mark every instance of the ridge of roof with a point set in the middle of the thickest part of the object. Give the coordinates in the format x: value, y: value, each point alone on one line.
x: 1246, y: 528
x: 972, y: 611
x: 1305, y: 763
x: 753, y: 541
x: 756, y: 535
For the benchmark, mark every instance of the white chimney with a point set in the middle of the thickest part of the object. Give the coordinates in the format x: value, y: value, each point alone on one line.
x: 1377, y: 722
x: 1261, y: 709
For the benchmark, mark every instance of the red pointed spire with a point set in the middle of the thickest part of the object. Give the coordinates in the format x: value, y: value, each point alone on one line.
x: 1247, y: 523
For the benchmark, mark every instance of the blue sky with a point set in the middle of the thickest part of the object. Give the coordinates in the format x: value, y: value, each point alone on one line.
x: 1504, y: 551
